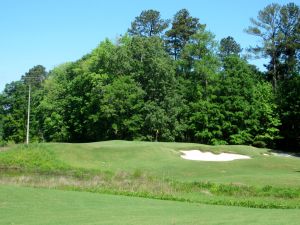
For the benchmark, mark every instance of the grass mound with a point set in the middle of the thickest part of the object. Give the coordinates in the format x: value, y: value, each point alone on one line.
x: 36, y: 157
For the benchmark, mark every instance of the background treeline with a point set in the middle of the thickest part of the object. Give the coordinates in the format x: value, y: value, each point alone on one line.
x: 168, y: 80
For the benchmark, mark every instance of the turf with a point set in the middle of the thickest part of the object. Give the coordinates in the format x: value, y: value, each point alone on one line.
x: 156, y: 170
x: 32, y: 206
x: 163, y: 160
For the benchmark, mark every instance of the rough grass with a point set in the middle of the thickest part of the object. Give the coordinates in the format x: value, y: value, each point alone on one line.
x: 155, y: 188
x: 36, y: 157
x: 49, y: 207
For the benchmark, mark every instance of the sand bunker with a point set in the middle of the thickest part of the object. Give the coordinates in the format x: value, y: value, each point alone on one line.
x: 283, y: 154
x: 208, y: 156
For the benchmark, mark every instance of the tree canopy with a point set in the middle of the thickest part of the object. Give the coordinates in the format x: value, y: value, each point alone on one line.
x: 148, y: 24
x: 228, y: 46
x: 161, y: 83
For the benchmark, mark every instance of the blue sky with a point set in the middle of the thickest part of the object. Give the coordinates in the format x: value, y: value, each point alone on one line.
x: 51, y: 32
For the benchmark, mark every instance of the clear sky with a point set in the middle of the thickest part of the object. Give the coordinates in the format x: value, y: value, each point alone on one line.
x: 51, y: 32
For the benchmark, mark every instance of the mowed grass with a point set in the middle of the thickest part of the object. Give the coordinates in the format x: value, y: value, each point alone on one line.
x: 33, y: 206
x: 163, y: 160
x: 156, y: 170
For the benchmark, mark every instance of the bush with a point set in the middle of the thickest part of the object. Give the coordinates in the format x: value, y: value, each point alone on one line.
x: 259, y: 144
x: 3, y: 143
x: 218, y: 142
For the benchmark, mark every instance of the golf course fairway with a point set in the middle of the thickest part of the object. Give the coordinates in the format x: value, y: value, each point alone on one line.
x: 19, y: 205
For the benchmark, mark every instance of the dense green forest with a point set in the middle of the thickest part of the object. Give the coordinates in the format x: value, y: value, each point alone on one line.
x: 168, y: 80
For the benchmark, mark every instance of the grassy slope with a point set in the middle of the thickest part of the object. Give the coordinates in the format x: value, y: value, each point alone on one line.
x: 42, y: 206
x: 139, y: 169
x: 163, y: 160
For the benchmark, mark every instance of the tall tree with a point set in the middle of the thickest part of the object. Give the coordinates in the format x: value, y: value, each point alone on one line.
x: 1, y: 120
x: 228, y: 46
x: 53, y: 106
x: 147, y: 24
x: 155, y: 71
x: 14, y: 105
x: 199, y: 59
x: 289, y: 43
x: 278, y: 27
x: 200, y: 65
x: 35, y: 76
x: 183, y: 27
x: 247, y: 105
x: 14, y: 99
x: 289, y: 108
x: 121, y: 106
x: 288, y: 89
x: 153, y: 67
x: 266, y: 26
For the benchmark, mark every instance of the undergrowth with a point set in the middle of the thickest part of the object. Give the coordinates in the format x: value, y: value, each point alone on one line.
x: 32, y: 157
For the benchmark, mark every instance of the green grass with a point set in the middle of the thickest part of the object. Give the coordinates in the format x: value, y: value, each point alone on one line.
x: 35, y: 157
x: 28, y: 206
x: 163, y: 160
x: 156, y: 170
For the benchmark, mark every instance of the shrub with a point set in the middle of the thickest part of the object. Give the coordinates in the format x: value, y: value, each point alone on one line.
x: 3, y: 143
x: 259, y: 144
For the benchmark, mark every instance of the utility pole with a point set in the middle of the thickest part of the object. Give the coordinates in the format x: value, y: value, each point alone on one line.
x: 28, y: 115
x: 32, y: 79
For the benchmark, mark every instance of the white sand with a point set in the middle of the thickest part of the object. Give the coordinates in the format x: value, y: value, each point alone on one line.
x: 208, y: 156
x: 282, y: 154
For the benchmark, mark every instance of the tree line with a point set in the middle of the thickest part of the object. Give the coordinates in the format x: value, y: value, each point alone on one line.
x: 168, y: 80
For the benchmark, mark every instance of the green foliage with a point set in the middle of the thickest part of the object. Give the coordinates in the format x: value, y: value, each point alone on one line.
x: 278, y: 28
x: 121, y: 103
x: 181, y: 86
x: 13, y: 103
x: 160, y: 123
x: 148, y: 24
x: 228, y: 46
x: 14, y: 107
x: 183, y: 27
x: 52, y: 106
x: 249, y: 105
x: 35, y: 76
x: 288, y: 98
x: 153, y: 68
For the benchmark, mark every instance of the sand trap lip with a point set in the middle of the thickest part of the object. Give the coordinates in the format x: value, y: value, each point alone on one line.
x: 285, y: 154
x: 208, y: 156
